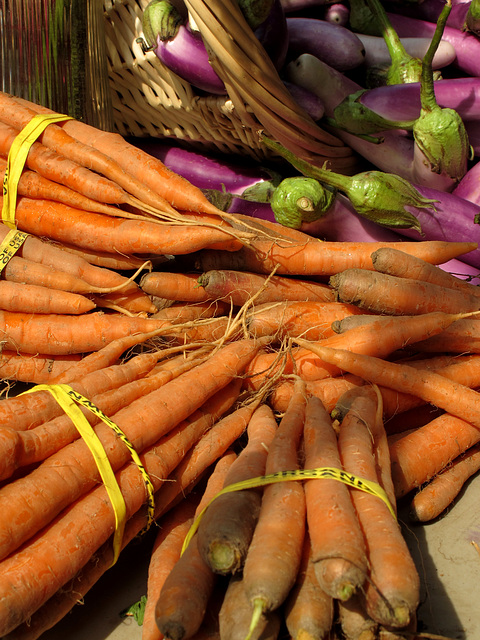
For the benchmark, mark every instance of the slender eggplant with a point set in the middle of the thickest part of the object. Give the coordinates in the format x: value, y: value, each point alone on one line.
x: 337, y: 46
x: 467, y: 45
x: 430, y: 10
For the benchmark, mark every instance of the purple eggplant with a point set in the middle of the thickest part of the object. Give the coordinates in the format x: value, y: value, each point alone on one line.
x: 337, y: 13
x: 377, y: 53
x: 337, y: 46
x: 469, y: 187
x: 430, y: 10
x: 273, y: 34
x: 467, y: 45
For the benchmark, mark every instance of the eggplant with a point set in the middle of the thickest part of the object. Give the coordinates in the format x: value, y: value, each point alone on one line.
x: 337, y: 13
x: 337, y: 46
x: 377, y: 54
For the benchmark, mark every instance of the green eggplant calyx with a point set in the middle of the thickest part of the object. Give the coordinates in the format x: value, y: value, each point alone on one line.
x: 298, y: 199
x: 384, y: 198
x: 353, y: 116
x: 160, y: 21
x: 405, y: 70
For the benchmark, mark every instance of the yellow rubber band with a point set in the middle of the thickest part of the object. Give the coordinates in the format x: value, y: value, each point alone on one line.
x: 329, y: 473
x: 10, y: 245
x: 17, y: 157
x: 69, y: 400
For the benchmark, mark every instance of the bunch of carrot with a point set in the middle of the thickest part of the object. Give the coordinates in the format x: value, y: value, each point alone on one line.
x: 210, y: 350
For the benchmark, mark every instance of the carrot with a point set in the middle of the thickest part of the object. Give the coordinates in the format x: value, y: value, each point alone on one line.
x: 433, y: 499
x: 126, y: 384
x: 96, y: 231
x: 17, y: 116
x: 308, y: 609
x: 63, y: 600
x: 174, y: 286
x: 144, y: 421
x: 82, y: 519
x: 463, y: 336
x: 147, y: 169
x: 428, y: 385
x: 182, y: 602
x: 238, y: 286
x: 166, y: 554
x: 314, y: 258
x: 105, y: 259
x: 236, y: 613
x: 37, y: 250
x: 186, y: 312
x: 396, y: 331
x: 32, y: 298
x: 392, y: 589
x: 354, y: 621
x: 311, y: 320
x: 226, y: 528
x: 386, y: 294
x: 338, y: 548
x: 422, y: 454
x: 35, y: 185
x: 36, y: 369
x: 274, y: 555
x: 68, y: 334
x: 397, y: 263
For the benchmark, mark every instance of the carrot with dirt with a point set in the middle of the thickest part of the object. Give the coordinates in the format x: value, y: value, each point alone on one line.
x: 398, y: 263
x: 455, y: 398
x: 226, y: 528
x: 181, y: 603
x: 354, y: 621
x: 143, y: 421
x: 309, y: 611
x: 310, y: 320
x: 236, y: 613
x: 420, y: 455
x: 274, y: 555
x: 237, y: 287
x: 434, y: 498
x: 166, y: 554
x: 125, y: 383
x: 339, y: 554
x: 62, y: 223
x: 76, y: 532
x: 382, y: 293
x: 391, y: 591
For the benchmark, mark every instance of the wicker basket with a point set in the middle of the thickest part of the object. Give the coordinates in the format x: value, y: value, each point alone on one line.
x: 149, y: 100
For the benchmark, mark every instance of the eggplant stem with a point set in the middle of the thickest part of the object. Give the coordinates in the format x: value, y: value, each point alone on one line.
x: 427, y: 88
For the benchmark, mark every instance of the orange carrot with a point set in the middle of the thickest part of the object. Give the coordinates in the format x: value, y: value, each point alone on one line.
x: 463, y: 336
x: 16, y: 115
x: 392, y: 589
x: 226, y: 528
x: 166, y: 554
x: 455, y: 398
x: 66, y: 598
x: 37, y: 369
x: 109, y: 260
x: 32, y: 298
x: 386, y: 294
x: 66, y: 533
x: 60, y: 222
x: 338, y: 548
x: 174, y: 286
x: 239, y: 286
x: 422, y: 454
x: 311, y: 320
x: 186, y: 312
x: 433, y: 499
x: 148, y: 170
x: 161, y: 411
x: 308, y: 609
x: 398, y: 263
x: 236, y: 613
x: 274, y: 555
x: 26, y: 331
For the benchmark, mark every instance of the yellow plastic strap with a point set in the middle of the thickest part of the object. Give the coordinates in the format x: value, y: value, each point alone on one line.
x: 17, y: 157
x: 10, y: 245
x: 329, y: 473
x: 69, y: 399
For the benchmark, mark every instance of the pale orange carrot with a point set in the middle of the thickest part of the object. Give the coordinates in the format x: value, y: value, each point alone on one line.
x: 32, y: 298
x: 387, y: 294
x: 109, y: 260
x: 354, y: 621
x: 463, y: 336
x: 174, y: 286
x: 36, y: 369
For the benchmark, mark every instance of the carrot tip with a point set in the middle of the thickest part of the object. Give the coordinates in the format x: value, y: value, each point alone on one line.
x: 258, y: 609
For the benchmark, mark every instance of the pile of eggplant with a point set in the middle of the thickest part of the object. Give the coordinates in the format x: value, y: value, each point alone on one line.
x: 398, y: 82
